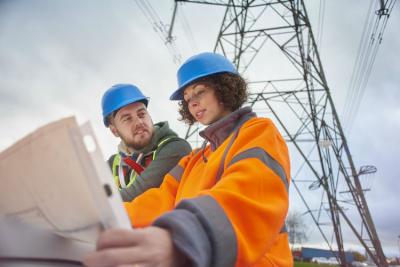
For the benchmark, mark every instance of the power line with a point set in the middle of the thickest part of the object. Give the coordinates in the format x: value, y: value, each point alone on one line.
x: 187, y: 31
x: 357, y: 65
x: 366, y: 55
x: 160, y: 28
x: 321, y: 19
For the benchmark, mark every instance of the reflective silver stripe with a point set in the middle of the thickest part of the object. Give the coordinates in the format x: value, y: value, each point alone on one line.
x: 177, y: 172
x: 264, y: 157
x: 283, y: 229
x: 217, y: 226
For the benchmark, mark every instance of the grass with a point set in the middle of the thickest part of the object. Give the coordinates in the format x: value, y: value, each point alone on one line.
x: 310, y: 264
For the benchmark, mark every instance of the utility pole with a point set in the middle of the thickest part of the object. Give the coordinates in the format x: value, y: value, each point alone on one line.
x: 295, y: 93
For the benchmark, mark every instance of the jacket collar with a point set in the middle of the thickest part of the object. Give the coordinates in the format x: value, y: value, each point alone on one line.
x: 217, y: 132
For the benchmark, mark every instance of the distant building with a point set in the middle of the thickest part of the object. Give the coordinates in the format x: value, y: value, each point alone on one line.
x: 308, y: 253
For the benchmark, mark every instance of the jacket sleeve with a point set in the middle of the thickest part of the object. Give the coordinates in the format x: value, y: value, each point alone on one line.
x: 168, y: 156
x: 239, y: 220
x: 143, y: 210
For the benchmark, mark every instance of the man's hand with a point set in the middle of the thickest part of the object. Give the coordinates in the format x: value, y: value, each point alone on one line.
x: 146, y: 247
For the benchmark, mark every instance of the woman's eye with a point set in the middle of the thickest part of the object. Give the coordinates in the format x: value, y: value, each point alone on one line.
x: 200, y: 93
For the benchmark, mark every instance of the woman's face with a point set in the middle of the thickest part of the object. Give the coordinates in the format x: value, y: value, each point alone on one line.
x: 203, y: 103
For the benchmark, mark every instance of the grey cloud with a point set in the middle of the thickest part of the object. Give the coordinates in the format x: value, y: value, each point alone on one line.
x: 57, y: 58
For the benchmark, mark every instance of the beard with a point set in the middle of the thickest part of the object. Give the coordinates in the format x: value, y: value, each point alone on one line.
x: 138, y: 142
x: 137, y: 145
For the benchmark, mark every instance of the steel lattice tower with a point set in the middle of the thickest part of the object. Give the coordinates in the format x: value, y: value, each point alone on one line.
x: 299, y: 101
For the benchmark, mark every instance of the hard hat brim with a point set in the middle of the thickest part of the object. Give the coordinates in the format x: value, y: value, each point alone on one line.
x: 178, y: 94
x: 145, y: 101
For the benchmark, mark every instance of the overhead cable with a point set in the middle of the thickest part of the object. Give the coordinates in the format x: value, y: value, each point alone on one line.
x: 160, y: 28
x: 366, y: 55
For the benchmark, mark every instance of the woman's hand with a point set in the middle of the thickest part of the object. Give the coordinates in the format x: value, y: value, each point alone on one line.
x: 145, y: 247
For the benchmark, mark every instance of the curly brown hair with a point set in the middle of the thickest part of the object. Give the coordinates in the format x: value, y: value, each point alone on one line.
x: 230, y: 89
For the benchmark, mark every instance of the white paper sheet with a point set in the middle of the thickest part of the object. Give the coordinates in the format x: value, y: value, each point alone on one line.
x: 50, y: 180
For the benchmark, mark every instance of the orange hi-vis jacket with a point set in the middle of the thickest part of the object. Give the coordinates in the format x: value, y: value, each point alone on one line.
x: 226, y: 204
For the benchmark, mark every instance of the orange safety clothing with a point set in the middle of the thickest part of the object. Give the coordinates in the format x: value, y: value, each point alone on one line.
x: 226, y: 204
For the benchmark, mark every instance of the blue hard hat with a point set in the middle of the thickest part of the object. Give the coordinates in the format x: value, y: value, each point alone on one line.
x: 199, y: 66
x: 119, y: 96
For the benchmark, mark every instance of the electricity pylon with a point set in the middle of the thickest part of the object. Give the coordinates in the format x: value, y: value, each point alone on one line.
x: 296, y: 94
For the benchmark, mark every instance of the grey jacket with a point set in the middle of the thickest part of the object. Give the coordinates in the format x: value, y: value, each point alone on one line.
x: 167, y: 156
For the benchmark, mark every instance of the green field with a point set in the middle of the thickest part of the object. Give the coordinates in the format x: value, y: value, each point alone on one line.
x: 310, y: 264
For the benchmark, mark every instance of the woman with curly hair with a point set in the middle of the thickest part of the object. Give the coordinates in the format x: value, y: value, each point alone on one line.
x: 224, y: 204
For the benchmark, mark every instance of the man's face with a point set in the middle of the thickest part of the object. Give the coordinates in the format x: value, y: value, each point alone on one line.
x: 133, y: 125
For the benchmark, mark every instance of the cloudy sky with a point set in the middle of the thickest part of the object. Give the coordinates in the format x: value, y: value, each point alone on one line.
x: 58, y: 57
